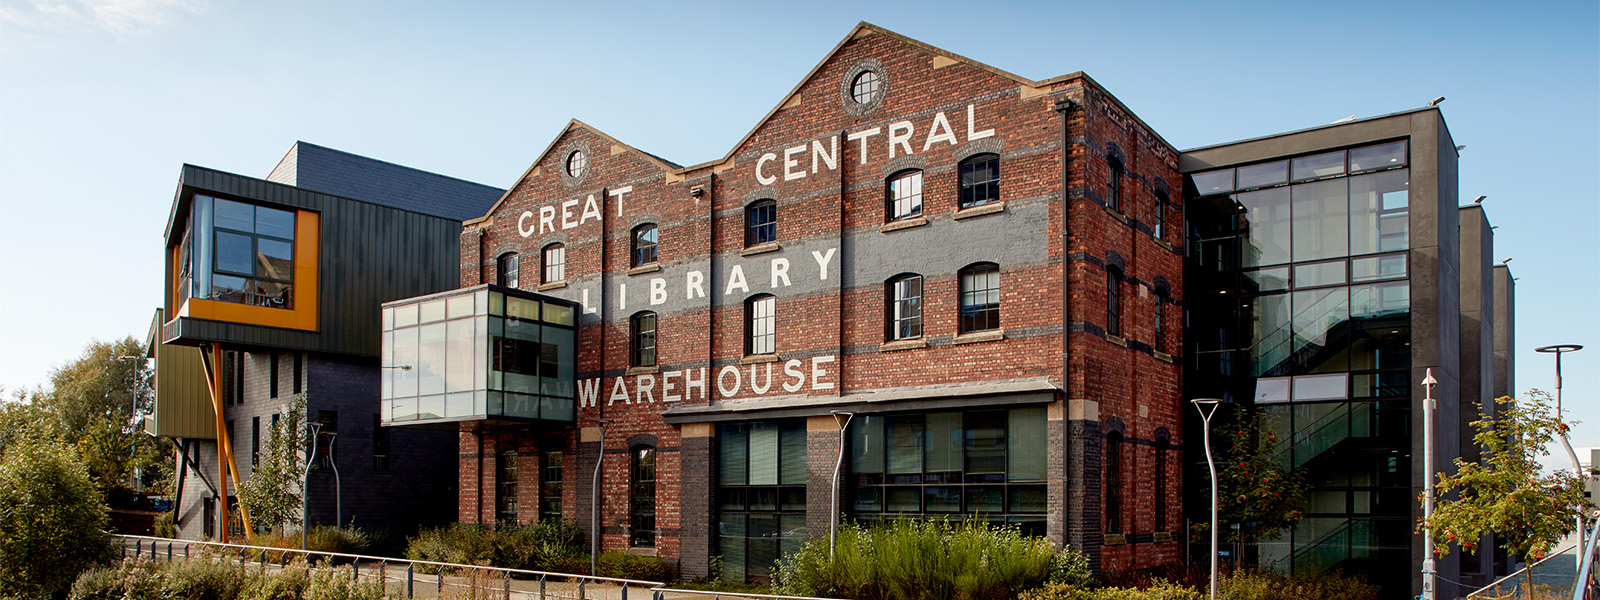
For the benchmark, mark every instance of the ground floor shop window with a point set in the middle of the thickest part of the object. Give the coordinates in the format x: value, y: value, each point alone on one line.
x: 761, y: 496
x: 989, y: 463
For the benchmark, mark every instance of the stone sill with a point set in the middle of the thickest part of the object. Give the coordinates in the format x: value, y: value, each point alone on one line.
x: 554, y: 285
x: 980, y: 336
x: 977, y: 211
x: 642, y: 269
x: 902, y: 345
x: 643, y: 370
x: 1161, y: 537
x: 1114, y: 539
x: 1118, y: 216
x: 1162, y: 356
x: 754, y: 359
x: 1117, y: 340
x: 903, y: 224
x: 761, y: 249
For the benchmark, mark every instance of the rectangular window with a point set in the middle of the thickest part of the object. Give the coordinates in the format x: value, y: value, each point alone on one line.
x: 555, y: 263
x: 980, y: 299
x: 1318, y: 166
x: 1114, y: 185
x: 255, y: 442
x: 296, y: 377
x: 247, y: 253
x: 1214, y: 182
x: 980, y: 180
x: 1380, y: 209
x: 1321, y: 220
x: 905, y: 308
x: 272, y: 375
x: 506, y: 474
x: 761, y: 496
x: 1113, y: 483
x: 642, y: 498
x: 507, y: 269
x: 550, y: 482
x: 644, y: 340
x: 761, y: 223
x: 1113, y: 302
x: 380, y: 445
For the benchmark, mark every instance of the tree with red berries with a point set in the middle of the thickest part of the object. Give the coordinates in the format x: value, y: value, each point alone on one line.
x: 1255, y: 487
x: 1509, y: 494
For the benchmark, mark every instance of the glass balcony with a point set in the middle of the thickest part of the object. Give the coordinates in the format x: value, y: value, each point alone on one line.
x: 486, y: 352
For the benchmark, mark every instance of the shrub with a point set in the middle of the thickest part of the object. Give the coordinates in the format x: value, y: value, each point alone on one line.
x: 1161, y: 590
x: 1270, y: 585
x: 213, y: 577
x: 52, y: 519
x: 347, y: 540
x: 621, y: 565
x: 548, y: 546
x: 924, y: 559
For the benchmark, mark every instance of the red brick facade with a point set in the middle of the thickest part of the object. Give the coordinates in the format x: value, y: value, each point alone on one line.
x: 825, y: 162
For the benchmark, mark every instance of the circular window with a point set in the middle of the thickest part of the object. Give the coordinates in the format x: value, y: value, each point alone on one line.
x: 576, y: 163
x: 864, y: 89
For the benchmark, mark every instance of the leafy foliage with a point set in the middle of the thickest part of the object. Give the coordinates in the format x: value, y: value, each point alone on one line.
x: 622, y: 565
x: 213, y: 578
x: 51, y: 518
x: 273, y: 491
x: 547, y: 546
x: 926, y: 559
x: 1254, y: 488
x: 1508, y: 494
x: 1160, y: 591
x: 1272, y: 585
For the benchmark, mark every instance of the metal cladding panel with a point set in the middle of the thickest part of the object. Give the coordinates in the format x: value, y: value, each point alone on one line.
x: 368, y: 254
x: 183, y: 404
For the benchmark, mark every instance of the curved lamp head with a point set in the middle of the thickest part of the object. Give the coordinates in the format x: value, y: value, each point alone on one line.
x: 1558, y: 348
x: 1207, y: 406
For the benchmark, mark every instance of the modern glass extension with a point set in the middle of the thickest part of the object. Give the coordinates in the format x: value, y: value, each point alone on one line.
x: 1302, y: 279
x: 486, y: 352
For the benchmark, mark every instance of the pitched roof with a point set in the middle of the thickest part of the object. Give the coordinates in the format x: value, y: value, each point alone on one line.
x: 661, y: 163
x: 320, y: 169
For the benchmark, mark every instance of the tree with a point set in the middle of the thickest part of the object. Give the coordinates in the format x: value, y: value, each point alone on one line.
x: 95, y: 402
x: 273, y: 491
x: 1508, y: 494
x: 51, y: 518
x: 1254, y: 489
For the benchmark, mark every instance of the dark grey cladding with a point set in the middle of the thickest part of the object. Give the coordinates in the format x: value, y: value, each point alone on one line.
x: 319, y: 169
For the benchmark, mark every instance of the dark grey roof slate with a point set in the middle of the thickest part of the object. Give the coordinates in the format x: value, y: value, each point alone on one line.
x: 320, y: 169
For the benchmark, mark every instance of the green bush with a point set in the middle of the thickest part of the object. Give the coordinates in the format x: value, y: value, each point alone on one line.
x: 212, y: 577
x: 1270, y: 585
x: 1161, y: 590
x: 621, y: 565
x: 346, y: 540
x: 925, y: 559
x: 548, y: 546
x: 52, y: 519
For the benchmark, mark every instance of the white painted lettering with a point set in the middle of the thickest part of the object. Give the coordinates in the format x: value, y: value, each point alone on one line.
x: 760, y: 389
x: 589, y: 392
x: 817, y: 373
x: 817, y: 153
x: 903, y: 139
x: 522, y: 223
x: 619, y: 392
x: 789, y: 163
x: 617, y: 193
x: 736, y: 281
x: 792, y: 369
x: 822, y: 261
x: 722, y: 380
x: 763, y: 179
x: 863, y: 135
x: 547, y: 219
x: 939, y: 123
x: 591, y: 210
x: 780, y: 270
x: 692, y: 285
x: 566, y: 214
x: 690, y: 383
x: 667, y: 394
x: 658, y: 291
x: 972, y: 122
x: 644, y: 387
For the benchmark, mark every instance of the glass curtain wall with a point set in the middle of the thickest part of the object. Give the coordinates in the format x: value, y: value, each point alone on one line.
x: 761, y: 496
x: 1305, y: 273
x: 479, y: 353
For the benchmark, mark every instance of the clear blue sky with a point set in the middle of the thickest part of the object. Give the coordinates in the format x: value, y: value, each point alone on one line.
x: 101, y: 101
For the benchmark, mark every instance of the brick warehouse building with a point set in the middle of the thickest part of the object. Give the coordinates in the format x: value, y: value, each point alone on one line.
x: 1004, y: 290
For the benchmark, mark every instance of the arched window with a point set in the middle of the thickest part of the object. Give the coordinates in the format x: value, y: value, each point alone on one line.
x: 761, y: 223
x: 644, y: 245
x: 1113, y: 184
x: 555, y: 263
x: 642, y: 497
x: 980, y: 180
x: 1158, y: 227
x: 904, y: 195
x: 980, y: 298
x: 1113, y: 457
x: 505, y: 476
x: 905, y: 307
x: 642, y: 351
x: 1114, y: 301
x: 761, y: 331
x: 506, y: 270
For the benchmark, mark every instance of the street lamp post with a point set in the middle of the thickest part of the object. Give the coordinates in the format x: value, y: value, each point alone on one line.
x: 305, y: 482
x: 1201, y: 404
x: 833, y: 519
x: 1577, y: 468
x: 1428, y: 574
x: 594, y: 500
x: 133, y: 416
